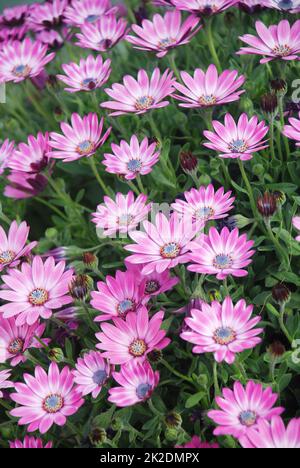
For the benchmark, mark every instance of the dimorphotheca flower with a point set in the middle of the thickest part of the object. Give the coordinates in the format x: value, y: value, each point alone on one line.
x: 289, y: 6
x: 4, y: 382
x: 87, y: 11
x: 196, y: 443
x: 14, y: 245
x: 293, y: 130
x: 92, y: 372
x: 154, y: 283
x: 102, y: 35
x: 223, y: 329
x: 204, y: 7
x: 6, y: 151
x: 273, y: 435
x: 24, y: 185
x: 46, y: 399
x: 48, y: 15
x: 30, y: 443
x: 207, y: 89
x: 31, y: 157
x: 239, y: 140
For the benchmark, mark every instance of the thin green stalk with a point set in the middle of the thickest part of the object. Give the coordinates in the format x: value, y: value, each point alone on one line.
x: 285, y: 139
x: 282, y: 254
x: 173, y: 66
x: 153, y: 409
x: 272, y: 139
x: 5, y: 405
x: 51, y: 207
x: 133, y: 187
x: 97, y: 175
x: 216, y: 382
x: 140, y: 185
x: 249, y: 188
x: 282, y: 324
x: 42, y: 343
x: 175, y: 372
x: 211, y: 44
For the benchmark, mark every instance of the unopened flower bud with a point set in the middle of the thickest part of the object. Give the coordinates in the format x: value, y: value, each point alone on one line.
x: 276, y: 350
x: 56, y: 355
x: 279, y: 87
x: 281, y: 293
x: 267, y: 205
x: 280, y: 197
x: 173, y: 419
x: 171, y: 434
x: 98, y: 436
x: 188, y: 161
x: 241, y: 221
x: 155, y: 356
x: 90, y: 260
x: 79, y: 287
x: 269, y: 105
x: 214, y: 295
x: 116, y: 424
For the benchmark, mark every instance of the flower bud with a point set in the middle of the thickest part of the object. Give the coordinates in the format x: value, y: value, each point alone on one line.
x: 173, y: 419
x: 56, y: 355
x: 279, y: 87
x: 267, y: 205
x: 171, y: 434
x: 269, y: 105
x: 155, y: 356
x: 281, y: 293
x: 98, y: 436
x: 280, y: 197
x: 276, y: 350
x: 188, y: 161
x: 90, y: 260
x: 79, y: 287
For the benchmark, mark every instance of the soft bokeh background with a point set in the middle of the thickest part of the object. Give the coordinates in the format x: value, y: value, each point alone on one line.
x: 9, y: 3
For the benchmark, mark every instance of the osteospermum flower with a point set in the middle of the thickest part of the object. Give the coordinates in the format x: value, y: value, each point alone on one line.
x: 242, y: 408
x: 252, y: 6
x: 20, y: 60
x: 203, y: 7
x: 222, y: 329
x: 206, y: 89
x: 14, y: 340
x: 137, y: 382
x: 35, y: 290
x: 48, y: 15
x: 92, y: 372
x: 102, y: 35
x: 154, y: 283
x: 46, y: 399
x: 293, y: 130
x: 289, y: 6
x: 14, y: 245
x: 221, y: 254
x: 30, y: 443
x: 197, y: 444
x: 276, y: 42
x: 163, y: 245
x: 133, y: 338
x: 141, y: 95
x: 90, y: 74
x: 204, y: 204
x: 24, y: 185
x: 273, y: 435
x: 296, y: 223
x: 80, y: 139
x: 239, y: 140
x: 87, y: 11
x: 6, y: 151
x: 13, y: 22
x: 121, y: 215
x: 118, y: 296
x: 131, y: 160
x: 164, y: 32
x: 31, y: 157
x: 4, y: 382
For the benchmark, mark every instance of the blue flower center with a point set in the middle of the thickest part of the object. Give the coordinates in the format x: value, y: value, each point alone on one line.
x: 171, y: 250
x: 15, y: 346
x: 6, y: 257
x: 125, y: 219
x: 92, y: 18
x: 134, y: 165
x: 204, y: 213
x: 85, y: 147
x: 100, y: 377
x: 238, y: 146
x: 207, y: 100
x: 38, y: 297
x: 286, y: 4
x: 224, y: 335
x: 53, y: 403
x: 128, y: 305
x: 143, y: 391
x: 89, y: 83
x: 222, y: 261
x: 247, y: 418
x: 144, y: 102
x: 167, y: 42
x: 21, y: 71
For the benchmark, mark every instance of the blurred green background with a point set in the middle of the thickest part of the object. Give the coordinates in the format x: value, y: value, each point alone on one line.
x: 9, y: 3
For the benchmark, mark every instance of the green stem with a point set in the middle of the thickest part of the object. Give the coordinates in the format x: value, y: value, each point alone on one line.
x: 153, y: 126
x: 216, y: 382
x: 153, y: 409
x: 173, y: 66
x: 97, y: 175
x: 282, y: 254
x: 272, y: 139
x: 282, y: 324
x: 5, y: 405
x: 225, y: 285
x: 140, y: 185
x: 42, y: 343
x: 133, y: 187
x: 249, y: 188
x: 285, y: 139
x: 52, y: 207
x: 242, y: 371
x: 175, y: 372
x: 211, y: 44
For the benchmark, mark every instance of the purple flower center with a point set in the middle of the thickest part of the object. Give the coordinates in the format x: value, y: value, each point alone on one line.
x: 222, y: 261
x: 134, y: 165
x: 152, y: 286
x: 207, y: 100
x: 171, y: 250
x: 205, y: 212
x: 53, y: 403
x: 143, y: 391
x: 165, y: 43
x: 128, y: 305
x: 138, y: 348
x: 224, y: 335
x: 85, y: 147
x: 238, y: 146
x: 15, y: 346
x: 247, y: 418
x: 282, y: 50
x: 6, y: 257
x: 21, y: 71
x: 100, y: 377
x: 143, y: 103
x: 89, y: 83
x: 91, y: 18
x: 38, y: 297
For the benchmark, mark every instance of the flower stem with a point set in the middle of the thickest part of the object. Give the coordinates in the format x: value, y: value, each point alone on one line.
x: 175, y: 372
x: 97, y: 175
x: 282, y: 254
x: 173, y: 66
x: 272, y: 139
x: 140, y: 185
x: 216, y: 382
x: 285, y: 139
x: 211, y: 44
x: 282, y: 324
x: 51, y: 207
x: 249, y: 188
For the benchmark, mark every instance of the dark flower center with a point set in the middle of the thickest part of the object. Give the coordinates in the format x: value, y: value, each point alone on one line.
x: 53, y: 403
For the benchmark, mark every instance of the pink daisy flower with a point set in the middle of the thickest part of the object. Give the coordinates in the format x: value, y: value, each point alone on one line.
x: 221, y: 254
x: 131, y: 160
x: 92, y: 372
x: 293, y: 130
x: 141, y: 95
x: 252, y: 6
x: 243, y: 408
x: 164, y: 32
x: 90, y: 74
x: 296, y: 223
x: 206, y: 89
x: 223, y: 329
x: 204, y: 204
x: 137, y: 383
x: 51, y: 38
x: 122, y: 215
x: 30, y: 443
x: 197, y: 444
x: 163, y: 245
x: 46, y: 399
x: 276, y: 42
x: 14, y: 245
x: 6, y: 151
x: 162, y: 3
x: 80, y: 139
x: 48, y: 15
x: 273, y: 435
x: 31, y: 157
x: 289, y: 6
x: 102, y: 35
x: 13, y: 22
x: 24, y: 185
x: 239, y: 140
x: 203, y: 7
x: 154, y: 283
x: 118, y: 296
x: 14, y: 340
x: 35, y: 290
x: 87, y: 11
x: 4, y: 382
x: 133, y: 338
x: 20, y: 60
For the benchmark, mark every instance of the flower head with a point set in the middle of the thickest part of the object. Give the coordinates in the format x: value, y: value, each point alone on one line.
x: 31, y: 157
x: 293, y: 130
x: 82, y: 12
x: 14, y: 245
x: 141, y: 95
x: 239, y: 140
x: 221, y: 254
x: 204, y: 7
x: 46, y: 399
x: 252, y: 6
x: 4, y: 382
x: 163, y: 245
x: 116, y: 297
x: 80, y: 139
x: 276, y: 42
x: 207, y: 89
x: 20, y: 60
x: 204, y: 204
x: 289, y: 6
x: 102, y: 35
x: 164, y: 32
x: 13, y: 23
x: 196, y: 443
x: 131, y: 159
x: 273, y: 435
x: 223, y: 329
x: 154, y: 283
x: 15, y: 340
x: 137, y: 382
x: 296, y: 223
x: 133, y: 338
x: 29, y: 443
x: 48, y: 15
x: 92, y: 372
x: 243, y: 408
x: 24, y: 185
x: 35, y: 290
x: 6, y: 151
x: 90, y: 74
x: 121, y: 215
